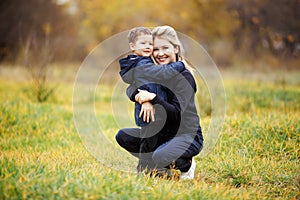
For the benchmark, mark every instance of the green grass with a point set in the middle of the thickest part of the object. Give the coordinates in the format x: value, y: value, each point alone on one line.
x: 256, y: 157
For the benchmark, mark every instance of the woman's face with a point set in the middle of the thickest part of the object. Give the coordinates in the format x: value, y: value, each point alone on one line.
x: 163, y: 51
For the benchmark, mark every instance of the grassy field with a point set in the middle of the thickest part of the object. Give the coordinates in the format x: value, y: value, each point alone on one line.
x: 256, y: 157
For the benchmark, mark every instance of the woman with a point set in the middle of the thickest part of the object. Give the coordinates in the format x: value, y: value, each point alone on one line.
x: 181, y: 138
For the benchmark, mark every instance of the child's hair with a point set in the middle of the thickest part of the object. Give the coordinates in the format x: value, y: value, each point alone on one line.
x: 168, y: 33
x: 135, y: 32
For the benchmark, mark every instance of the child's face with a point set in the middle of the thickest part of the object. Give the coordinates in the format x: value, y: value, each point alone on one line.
x: 143, y: 46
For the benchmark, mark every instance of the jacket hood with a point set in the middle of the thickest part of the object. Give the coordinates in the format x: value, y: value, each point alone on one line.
x: 127, y: 66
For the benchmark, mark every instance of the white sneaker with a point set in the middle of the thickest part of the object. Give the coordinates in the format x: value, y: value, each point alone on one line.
x: 189, y: 175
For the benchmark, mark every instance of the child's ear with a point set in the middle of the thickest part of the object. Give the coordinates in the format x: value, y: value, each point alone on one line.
x: 131, y: 45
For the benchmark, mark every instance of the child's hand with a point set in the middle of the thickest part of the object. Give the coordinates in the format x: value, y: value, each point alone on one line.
x: 144, y: 96
x: 184, y: 62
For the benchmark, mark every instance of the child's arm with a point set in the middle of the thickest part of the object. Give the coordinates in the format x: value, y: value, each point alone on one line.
x: 147, y: 70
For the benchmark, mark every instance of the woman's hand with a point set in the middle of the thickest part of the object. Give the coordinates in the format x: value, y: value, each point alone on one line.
x: 148, y: 112
x: 144, y: 96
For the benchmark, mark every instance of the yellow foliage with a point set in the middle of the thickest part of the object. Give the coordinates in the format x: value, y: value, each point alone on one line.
x: 201, y: 19
x: 291, y: 38
x: 47, y: 28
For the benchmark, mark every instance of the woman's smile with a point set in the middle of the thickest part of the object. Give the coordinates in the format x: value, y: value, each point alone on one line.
x: 163, y: 51
x: 162, y: 59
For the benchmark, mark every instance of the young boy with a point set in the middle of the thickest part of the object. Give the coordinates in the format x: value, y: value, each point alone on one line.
x: 133, y: 71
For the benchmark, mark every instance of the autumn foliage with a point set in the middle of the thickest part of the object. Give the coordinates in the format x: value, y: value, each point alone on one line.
x: 223, y: 27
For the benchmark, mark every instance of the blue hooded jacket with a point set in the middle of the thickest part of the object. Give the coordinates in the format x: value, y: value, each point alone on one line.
x: 133, y: 70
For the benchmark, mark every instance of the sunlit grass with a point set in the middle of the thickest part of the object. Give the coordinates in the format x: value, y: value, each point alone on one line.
x: 256, y: 157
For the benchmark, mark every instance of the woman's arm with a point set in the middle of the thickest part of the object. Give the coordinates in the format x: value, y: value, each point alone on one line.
x: 172, y: 108
x: 131, y: 92
x: 182, y: 97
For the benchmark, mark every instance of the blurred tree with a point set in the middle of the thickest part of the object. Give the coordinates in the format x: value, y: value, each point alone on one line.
x: 273, y: 24
x: 197, y: 18
x: 249, y: 25
x: 27, y: 26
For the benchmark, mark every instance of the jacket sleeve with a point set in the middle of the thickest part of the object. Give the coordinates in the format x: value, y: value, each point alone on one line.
x: 184, y: 92
x: 131, y: 91
x: 185, y: 89
x: 172, y: 108
x: 152, y: 72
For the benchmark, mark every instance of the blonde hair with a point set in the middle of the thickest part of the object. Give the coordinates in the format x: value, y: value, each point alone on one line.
x: 168, y: 33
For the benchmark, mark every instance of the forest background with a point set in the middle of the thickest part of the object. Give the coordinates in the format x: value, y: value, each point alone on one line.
x: 257, y: 34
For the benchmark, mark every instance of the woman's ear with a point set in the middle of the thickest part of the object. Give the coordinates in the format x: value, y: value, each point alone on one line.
x: 131, y: 45
x: 176, y: 49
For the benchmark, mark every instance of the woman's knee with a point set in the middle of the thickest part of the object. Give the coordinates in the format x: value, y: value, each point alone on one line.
x: 120, y: 136
x: 126, y: 137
